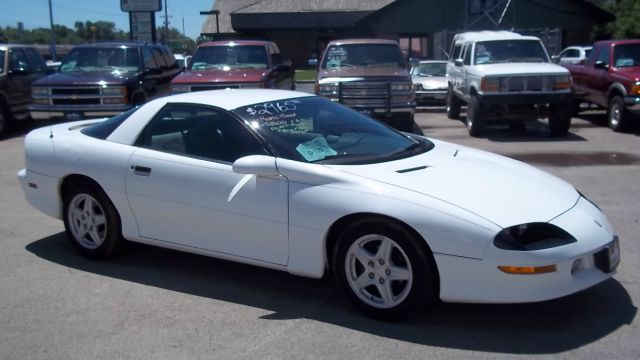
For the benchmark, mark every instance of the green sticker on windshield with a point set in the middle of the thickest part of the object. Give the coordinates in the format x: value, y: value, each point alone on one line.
x: 316, y: 149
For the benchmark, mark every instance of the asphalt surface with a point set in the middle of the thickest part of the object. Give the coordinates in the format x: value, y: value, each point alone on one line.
x: 150, y: 303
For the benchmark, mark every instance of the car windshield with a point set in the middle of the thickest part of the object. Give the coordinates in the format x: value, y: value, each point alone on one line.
x: 229, y: 57
x: 2, y: 55
x: 626, y: 55
x: 363, y: 55
x: 504, y: 51
x: 316, y: 130
x: 102, y: 59
x: 430, y: 69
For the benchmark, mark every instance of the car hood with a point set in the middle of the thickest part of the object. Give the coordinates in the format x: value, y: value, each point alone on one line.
x: 501, y: 190
x: 214, y: 76
x: 433, y: 82
x: 85, y: 78
x: 631, y: 72
x: 522, y: 69
x: 361, y: 72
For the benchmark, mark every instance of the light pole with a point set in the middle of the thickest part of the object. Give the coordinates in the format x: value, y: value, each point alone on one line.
x: 52, y: 44
x: 166, y: 22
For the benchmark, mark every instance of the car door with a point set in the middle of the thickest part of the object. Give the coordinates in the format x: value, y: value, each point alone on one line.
x: 182, y: 189
x: 596, y: 80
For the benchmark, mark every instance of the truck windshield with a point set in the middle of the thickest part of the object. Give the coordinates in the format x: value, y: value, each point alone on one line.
x: 505, y: 51
x: 102, y: 59
x: 229, y: 57
x: 626, y: 55
x: 363, y: 55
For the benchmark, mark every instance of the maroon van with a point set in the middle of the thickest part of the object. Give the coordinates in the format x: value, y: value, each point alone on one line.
x: 235, y: 64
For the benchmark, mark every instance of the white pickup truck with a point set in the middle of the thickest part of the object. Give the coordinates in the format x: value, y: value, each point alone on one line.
x: 502, y: 75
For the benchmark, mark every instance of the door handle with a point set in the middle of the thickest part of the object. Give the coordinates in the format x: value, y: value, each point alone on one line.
x: 141, y: 170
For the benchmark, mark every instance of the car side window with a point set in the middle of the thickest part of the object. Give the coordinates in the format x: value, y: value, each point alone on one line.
x: 18, y: 60
x: 37, y: 62
x: 457, y: 51
x: 147, y: 58
x: 467, y: 55
x: 159, y: 59
x: 603, y: 55
x: 200, y: 132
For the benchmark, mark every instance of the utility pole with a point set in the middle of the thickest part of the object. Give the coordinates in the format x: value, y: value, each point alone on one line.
x: 52, y: 44
x: 166, y: 22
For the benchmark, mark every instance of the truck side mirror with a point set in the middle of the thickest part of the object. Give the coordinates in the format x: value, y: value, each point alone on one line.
x: 555, y: 59
x: 601, y: 65
x: 458, y: 62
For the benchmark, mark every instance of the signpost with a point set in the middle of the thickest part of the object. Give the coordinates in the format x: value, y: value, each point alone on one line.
x: 142, y: 18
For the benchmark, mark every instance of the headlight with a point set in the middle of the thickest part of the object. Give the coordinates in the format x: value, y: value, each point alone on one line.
x: 40, y: 91
x: 532, y: 236
x: 114, y: 90
x: 328, y: 90
x: 635, y: 88
x: 180, y: 88
x: 490, y: 84
x: 401, y: 87
x: 562, y: 82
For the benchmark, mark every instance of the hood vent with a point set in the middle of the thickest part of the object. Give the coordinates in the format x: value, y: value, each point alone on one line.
x: 411, y: 169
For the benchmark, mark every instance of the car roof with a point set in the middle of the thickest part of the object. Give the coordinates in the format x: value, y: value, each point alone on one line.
x: 22, y: 46
x: 432, y: 62
x: 230, y: 99
x: 618, y: 42
x: 490, y: 35
x: 235, y: 42
x: 362, y: 41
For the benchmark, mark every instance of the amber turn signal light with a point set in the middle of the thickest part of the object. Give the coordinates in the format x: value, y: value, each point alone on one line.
x: 527, y: 270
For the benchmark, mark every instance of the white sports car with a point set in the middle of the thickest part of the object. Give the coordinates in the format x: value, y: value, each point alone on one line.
x: 294, y: 182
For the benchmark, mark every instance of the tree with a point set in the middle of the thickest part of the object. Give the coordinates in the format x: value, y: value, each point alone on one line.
x: 627, y: 24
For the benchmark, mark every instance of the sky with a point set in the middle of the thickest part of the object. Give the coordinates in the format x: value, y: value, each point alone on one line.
x: 35, y: 13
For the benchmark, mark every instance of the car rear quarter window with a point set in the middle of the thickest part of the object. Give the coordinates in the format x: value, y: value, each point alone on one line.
x: 36, y: 60
x: 103, y: 129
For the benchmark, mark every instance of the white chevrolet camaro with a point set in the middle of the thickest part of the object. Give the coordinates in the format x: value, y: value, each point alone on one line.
x: 298, y: 183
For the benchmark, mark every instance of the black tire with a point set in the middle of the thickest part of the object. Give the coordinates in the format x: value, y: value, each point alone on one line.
x: 453, y: 105
x: 4, y: 119
x: 475, y: 117
x: 559, y: 119
x: 618, y: 117
x: 409, y: 257
x: 84, y: 207
x: 575, y: 107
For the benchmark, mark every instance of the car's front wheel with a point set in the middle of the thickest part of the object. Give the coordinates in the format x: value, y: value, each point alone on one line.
x: 618, y: 115
x: 453, y: 105
x: 384, y: 270
x: 475, y: 117
x: 91, y: 221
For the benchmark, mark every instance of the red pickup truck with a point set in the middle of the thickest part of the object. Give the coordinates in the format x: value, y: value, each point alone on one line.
x: 610, y: 78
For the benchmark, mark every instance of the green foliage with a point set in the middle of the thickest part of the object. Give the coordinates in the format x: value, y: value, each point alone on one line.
x: 627, y: 24
x: 83, y: 32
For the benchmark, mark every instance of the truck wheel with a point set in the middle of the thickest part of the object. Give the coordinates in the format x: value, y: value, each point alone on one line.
x: 617, y: 116
x: 3, y: 120
x: 560, y: 119
x: 453, y: 105
x: 475, y: 117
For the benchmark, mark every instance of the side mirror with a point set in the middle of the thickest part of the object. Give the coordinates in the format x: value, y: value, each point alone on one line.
x: 256, y: 165
x: 555, y: 59
x: 601, y: 65
x: 458, y: 62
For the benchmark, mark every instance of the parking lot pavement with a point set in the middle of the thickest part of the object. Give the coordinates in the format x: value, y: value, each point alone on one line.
x: 154, y: 303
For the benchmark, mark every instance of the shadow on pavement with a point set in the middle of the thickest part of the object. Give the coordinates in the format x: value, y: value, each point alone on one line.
x: 541, y: 328
x: 531, y: 131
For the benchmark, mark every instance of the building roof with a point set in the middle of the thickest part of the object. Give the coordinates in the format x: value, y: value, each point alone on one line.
x: 296, y: 13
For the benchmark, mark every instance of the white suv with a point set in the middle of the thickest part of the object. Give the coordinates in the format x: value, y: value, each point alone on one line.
x: 503, y: 75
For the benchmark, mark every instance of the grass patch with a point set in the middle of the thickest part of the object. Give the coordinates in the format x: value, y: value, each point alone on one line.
x: 306, y: 75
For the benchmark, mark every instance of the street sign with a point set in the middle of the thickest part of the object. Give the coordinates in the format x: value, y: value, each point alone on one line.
x: 140, y: 5
x: 142, y: 25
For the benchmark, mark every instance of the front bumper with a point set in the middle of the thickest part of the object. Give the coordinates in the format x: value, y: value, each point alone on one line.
x: 578, y: 265
x: 525, y: 98
x: 73, y: 113
x: 632, y: 103
x: 431, y: 96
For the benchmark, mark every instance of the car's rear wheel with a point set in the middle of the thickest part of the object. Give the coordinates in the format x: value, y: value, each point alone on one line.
x: 475, y: 117
x: 559, y: 119
x: 618, y: 116
x: 4, y: 119
x: 453, y: 105
x: 384, y: 270
x: 91, y: 221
